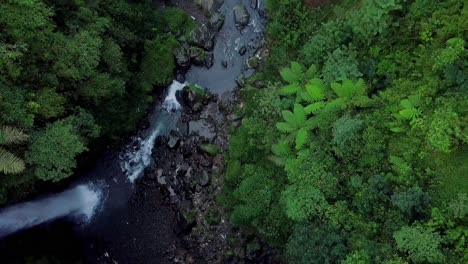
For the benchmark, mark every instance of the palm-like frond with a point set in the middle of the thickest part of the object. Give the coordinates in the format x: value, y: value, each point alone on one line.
x: 12, y: 135
x: 9, y: 163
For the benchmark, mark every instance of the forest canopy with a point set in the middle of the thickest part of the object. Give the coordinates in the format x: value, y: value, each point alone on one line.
x: 356, y: 151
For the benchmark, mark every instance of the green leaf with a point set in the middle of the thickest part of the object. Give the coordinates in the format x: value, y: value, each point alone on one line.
x: 284, y: 127
x: 397, y: 129
x: 315, y: 90
x: 301, y: 138
x: 362, y: 101
x: 278, y: 161
x: 296, y: 68
x: 313, y: 108
x: 290, y: 118
x: 290, y: 89
x: 281, y: 149
x: 299, y: 113
x: 311, y: 123
x: 289, y: 76
x: 406, y: 103
x: 409, y: 113
x: 338, y: 89
x: 311, y: 72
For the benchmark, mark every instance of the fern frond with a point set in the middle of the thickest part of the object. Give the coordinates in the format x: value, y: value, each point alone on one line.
x: 301, y: 138
x: 289, y: 76
x: 316, y: 90
x: 336, y: 104
x: 290, y: 118
x: 405, y: 103
x: 338, y: 89
x: 299, y: 114
x: 362, y: 101
x: 9, y: 163
x: 284, y: 127
x: 410, y: 113
x: 281, y: 149
x: 297, y: 68
x: 290, y: 89
x: 12, y: 135
x: 313, y: 108
x: 277, y: 160
x: 348, y: 88
x: 311, y: 72
x: 311, y: 123
x: 360, y: 87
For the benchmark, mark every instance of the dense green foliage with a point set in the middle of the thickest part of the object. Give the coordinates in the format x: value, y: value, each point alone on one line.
x: 356, y: 152
x: 73, y: 72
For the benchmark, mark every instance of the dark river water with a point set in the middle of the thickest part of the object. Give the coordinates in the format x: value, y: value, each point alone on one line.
x: 110, y: 214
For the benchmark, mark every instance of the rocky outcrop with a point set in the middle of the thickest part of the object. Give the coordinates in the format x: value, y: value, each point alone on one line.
x: 241, y: 16
x: 182, y: 57
x: 216, y: 21
x: 203, y: 37
x: 209, y: 6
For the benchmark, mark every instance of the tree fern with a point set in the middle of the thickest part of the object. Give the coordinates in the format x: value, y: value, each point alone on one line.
x: 12, y: 135
x: 9, y: 163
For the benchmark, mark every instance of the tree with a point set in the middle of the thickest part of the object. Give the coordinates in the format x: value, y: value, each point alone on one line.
x: 296, y: 126
x: 9, y: 163
x: 315, y: 245
x: 411, y: 202
x: 53, y: 151
x: 422, y: 244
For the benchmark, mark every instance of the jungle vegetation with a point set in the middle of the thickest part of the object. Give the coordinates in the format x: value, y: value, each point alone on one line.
x: 356, y: 151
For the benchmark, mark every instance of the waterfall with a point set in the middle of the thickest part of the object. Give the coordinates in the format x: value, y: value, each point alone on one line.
x: 137, y: 155
x: 80, y: 202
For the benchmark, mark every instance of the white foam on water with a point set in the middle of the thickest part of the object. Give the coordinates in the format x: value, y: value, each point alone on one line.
x: 170, y: 102
x: 135, y: 162
x: 138, y: 154
x: 80, y: 201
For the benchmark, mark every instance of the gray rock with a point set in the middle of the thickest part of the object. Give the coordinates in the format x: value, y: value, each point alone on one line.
x: 197, y: 55
x: 240, y: 81
x: 182, y: 57
x: 242, y: 50
x: 241, y: 16
x: 253, y: 4
x: 203, y: 179
x: 216, y: 21
x: 259, y: 84
x: 203, y: 37
x: 224, y: 63
x: 173, y: 141
x: 209, y: 60
x: 209, y: 6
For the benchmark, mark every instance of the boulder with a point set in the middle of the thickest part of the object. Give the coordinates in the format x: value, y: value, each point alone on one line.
x: 259, y: 84
x: 182, y: 57
x: 197, y: 55
x: 216, y: 21
x: 253, y: 62
x: 241, y: 16
x: 209, y: 6
x: 242, y: 50
x: 173, y: 141
x: 203, y: 179
x: 224, y: 63
x: 202, y: 37
x: 209, y: 60
x: 240, y: 80
x: 253, y: 4
x: 194, y: 97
